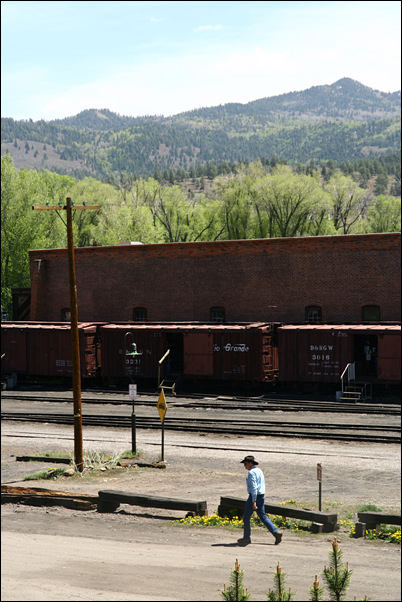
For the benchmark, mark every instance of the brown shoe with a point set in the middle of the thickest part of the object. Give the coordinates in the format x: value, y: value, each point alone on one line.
x: 278, y: 538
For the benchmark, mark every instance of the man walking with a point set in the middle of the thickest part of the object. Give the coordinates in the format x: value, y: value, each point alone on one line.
x: 255, y: 501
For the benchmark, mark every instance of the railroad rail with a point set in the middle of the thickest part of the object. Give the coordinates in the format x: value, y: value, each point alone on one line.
x: 220, y: 402
x: 234, y: 426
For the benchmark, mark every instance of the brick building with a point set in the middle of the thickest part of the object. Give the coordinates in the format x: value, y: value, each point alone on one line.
x: 331, y: 279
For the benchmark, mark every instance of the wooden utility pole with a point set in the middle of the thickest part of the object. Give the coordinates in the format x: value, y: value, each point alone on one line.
x: 78, y: 452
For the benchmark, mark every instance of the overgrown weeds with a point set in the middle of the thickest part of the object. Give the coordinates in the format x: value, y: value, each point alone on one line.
x: 93, y: 463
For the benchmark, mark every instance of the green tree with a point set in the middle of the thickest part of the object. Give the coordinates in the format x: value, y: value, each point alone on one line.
x: 204, y: 219
x: 85, y: 224
x: 381, y: 184
x: 337, y: 576
x: 280, y: 593
x: 237, y: 207
x: 235, y: 592
x: 125, y: 217
x: 295, y: 205
x: 176, y: 217
x: 384, y: 215
x: 317, y: 591
x: 349, y: 202
x: 168, y: 207
x: 23, y: 229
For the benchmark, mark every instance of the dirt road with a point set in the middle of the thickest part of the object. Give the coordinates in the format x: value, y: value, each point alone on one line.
x: 141, y: 554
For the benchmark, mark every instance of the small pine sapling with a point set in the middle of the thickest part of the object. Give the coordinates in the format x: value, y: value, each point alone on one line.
x: 316, y: 592
x: 279, y: 592
x: 235, y: 592
x: 337, y: 576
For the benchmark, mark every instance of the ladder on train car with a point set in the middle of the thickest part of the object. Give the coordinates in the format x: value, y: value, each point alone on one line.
x: 354, y: 390
x: 169, y: 384
x: 269, y: 373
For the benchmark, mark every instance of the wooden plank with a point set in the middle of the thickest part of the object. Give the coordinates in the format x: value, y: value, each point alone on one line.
x: 74, y: 503
x: 111, y: 498
x: 378, y: 518
x: 325, y: 518
x: 43, y: 459
x: 32, y: 491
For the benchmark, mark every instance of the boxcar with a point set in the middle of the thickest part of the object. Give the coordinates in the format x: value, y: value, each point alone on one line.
x: 219, y: 352
x: 321, y: 352
x: 44, y: 349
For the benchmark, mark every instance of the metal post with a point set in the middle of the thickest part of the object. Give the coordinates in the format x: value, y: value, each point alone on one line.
x: 161, y: 405
x: 133, y: 431
x: 78, y: 455
x: 319, y: 479
x: 163, y: 441
x: 133, y: 353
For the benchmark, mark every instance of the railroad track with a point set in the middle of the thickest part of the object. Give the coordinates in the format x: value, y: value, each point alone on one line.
x: 220, y: 402
x: 245, y: 428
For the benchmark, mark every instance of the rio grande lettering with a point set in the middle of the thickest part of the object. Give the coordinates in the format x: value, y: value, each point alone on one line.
x: 229, y: 347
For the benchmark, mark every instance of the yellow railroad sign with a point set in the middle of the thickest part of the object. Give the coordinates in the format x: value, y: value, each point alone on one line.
x: 161, y: 405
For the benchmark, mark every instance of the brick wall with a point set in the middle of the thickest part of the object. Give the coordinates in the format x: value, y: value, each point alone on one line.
x: 266, y: 279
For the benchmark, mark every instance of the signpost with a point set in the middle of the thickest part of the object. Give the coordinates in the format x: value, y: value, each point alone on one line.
x: 132, y: 394
x: 132, y: 389
x: 161, y: 405
x: 319, y: 479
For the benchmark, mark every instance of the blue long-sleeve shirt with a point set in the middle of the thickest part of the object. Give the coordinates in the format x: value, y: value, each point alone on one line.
x: 255, y: 482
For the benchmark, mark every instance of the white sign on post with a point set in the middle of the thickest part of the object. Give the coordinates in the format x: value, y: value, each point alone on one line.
x: 132, y: 392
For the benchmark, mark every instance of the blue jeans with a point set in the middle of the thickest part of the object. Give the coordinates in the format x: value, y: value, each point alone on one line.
x: 248, y: 511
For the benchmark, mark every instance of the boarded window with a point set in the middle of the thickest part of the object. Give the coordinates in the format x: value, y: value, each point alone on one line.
x: 313, y: 314
x: 217, y: 314
x: 371, y: 313
x: 139, y: 314
x: 66, y: 315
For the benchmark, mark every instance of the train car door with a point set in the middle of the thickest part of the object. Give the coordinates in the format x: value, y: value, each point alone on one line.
x: 366, y: 355
x: 198, y: 354
x: 175, y: 359
x: 389, y: 357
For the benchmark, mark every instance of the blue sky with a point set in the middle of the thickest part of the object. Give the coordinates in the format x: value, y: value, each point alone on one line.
x: 162, y: 58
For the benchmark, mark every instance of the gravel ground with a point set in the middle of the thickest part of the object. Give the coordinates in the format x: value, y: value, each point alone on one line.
x: 140, y: 554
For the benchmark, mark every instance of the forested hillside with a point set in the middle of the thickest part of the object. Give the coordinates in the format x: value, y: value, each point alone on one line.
x: 342, y: 122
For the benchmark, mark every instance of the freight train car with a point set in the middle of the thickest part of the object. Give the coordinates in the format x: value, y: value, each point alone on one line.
x: 319, y: 353
x: 44, y: 349
x: 201, y: 352
x: 256, y: 353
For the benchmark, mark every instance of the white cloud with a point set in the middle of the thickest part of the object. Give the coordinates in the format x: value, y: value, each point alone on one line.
x: 209, y: 28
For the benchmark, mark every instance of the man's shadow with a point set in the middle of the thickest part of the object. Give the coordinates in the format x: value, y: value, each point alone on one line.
x: 236, y: 545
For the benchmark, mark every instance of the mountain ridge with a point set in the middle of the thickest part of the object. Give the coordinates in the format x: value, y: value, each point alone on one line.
x: 343, y: 121
x: 261, y: 103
